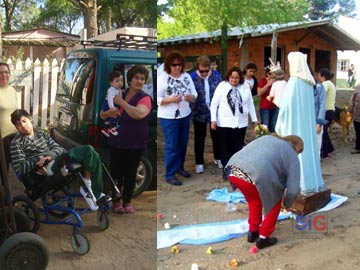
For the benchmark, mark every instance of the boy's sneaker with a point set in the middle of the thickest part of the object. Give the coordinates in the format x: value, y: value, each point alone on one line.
x: 113, y: 131
x: 105, y: 131
x: 199, y: 168
x: 89, y: 199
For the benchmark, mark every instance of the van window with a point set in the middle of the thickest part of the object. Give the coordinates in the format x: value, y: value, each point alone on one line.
x: 77, y: 81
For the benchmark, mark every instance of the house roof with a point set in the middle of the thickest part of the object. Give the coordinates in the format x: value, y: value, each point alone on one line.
x: 39, y: 37
x: 325, y: 29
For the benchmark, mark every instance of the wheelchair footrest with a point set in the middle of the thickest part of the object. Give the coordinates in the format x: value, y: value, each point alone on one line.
x: 103, y: 200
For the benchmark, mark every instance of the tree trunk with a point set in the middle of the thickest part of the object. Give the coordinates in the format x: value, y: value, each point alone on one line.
x: 90, y: 10
x: 108, y: 20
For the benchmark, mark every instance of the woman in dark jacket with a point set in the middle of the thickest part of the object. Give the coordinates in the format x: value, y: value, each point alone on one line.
x: 205, y: 80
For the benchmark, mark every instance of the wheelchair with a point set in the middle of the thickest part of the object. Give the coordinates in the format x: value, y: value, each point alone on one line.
x: 59, y: 203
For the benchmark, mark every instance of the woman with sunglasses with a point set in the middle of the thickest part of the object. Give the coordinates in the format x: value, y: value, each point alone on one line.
x: 205, y: 80
x: 230, y: 109
x: 175, y: 92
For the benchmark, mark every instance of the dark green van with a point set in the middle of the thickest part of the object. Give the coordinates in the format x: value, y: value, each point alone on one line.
x: 82, y: 89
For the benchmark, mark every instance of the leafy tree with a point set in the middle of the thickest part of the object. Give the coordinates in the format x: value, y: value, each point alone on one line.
x: 331, y: 9
x: 141, y: 13
x: 18, y: 13
x: 206, y: 15
x: 59, y: 15
x: 191, y: 16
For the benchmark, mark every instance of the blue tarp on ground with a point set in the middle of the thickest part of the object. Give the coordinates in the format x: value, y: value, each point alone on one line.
x: 207, y: 233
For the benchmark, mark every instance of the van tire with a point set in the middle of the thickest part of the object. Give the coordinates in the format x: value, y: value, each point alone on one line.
x: 144, y: 175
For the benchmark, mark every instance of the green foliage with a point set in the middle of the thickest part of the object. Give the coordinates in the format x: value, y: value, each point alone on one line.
x: 207, y: 15
x: 139, y: 13
x: 19, y: 14
x: 62, y: 15
x: 58, y: 15
x: 331, y: 9
x: 189, y: 16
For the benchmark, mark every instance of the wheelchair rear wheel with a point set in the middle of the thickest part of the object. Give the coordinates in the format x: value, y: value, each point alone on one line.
x: 27, y: 206
x: 24, y: 251
x: 79, y: 243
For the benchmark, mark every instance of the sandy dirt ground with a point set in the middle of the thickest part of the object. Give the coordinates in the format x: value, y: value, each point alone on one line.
x: 337, y: 248
x: 128, y: 243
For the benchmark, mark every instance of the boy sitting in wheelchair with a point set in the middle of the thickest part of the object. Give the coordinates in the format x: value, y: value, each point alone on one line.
x: 35, y: 151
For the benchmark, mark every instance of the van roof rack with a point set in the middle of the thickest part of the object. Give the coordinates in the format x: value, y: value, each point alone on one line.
x: 125, y: 42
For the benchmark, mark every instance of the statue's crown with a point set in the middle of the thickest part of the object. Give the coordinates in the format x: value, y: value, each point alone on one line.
x: 273, y: 67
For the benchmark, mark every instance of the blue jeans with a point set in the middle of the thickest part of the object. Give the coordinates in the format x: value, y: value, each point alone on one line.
x: 176, y: 137
x: 269, y: 118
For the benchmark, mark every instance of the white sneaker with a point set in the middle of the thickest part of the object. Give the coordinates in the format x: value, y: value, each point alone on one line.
x: 218, y: 163
x: 89, y: 199
x: 199, y: 168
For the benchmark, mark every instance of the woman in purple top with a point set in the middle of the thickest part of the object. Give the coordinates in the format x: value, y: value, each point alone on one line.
x: 133, y: 134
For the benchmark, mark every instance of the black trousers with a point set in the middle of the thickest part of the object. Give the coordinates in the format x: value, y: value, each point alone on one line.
x: 357, y: 134
x: 199, y: 141
x: 327, y: 146
x: 123, y: 165
x: 231, y: 141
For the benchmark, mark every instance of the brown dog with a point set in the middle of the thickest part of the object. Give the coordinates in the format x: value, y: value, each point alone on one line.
x: 344, y: 119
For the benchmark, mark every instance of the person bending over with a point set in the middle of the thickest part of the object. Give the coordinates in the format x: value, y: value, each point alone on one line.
x: 267, y: 172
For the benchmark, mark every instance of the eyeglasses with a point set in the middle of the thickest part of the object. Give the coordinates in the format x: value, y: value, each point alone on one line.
x: 204, y: 71
x: 4, y: 72
x: 176, y: 65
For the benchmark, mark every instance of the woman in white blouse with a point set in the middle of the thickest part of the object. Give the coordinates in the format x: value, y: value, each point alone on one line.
x: 175, y: 92
x: 230, y: 109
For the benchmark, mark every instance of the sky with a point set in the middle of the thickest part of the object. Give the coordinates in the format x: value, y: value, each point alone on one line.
x: 358, y: 8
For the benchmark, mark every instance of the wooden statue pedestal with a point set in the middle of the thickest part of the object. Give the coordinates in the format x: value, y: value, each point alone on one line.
x: 304, y: 205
